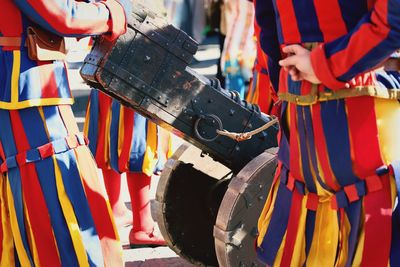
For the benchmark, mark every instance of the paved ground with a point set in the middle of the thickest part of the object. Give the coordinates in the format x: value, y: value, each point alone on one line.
x: 143, y: 257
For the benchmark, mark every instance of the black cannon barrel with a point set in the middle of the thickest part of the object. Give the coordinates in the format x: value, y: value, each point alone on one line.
x: 147, y: 70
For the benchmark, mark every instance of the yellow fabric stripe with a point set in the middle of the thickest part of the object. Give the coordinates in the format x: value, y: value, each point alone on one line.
x: 344, y: 242
x: 31, y: 238
x: 326, y: 237
x: 151, y: 149
x: 299, y: 250
x: 279, y: 254
x: 22, y: 256
x: 15, y: 76
x: 388, y: 123
x: 87, y: 120
x: 70, y: 218
x: 36, y: 102
x: 106, y: 155
x: 7, y: 252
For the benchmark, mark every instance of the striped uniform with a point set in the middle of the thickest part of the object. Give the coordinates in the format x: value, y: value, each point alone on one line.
x: 121, y: 139
x: 331, y: 203
x: 52, y: 209
x: 260, y: 89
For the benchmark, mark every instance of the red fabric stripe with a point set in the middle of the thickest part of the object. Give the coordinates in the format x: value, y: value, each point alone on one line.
x: 291, y: 233
x: 378, y: 226
x: 366, y: 153
x: 11, y: 23
x: 58, y: 18
x: 330, y: 19
x: 364, y: 135
x: 35, y: 203
x: 128, y: 133
x: 295, y: 159
x: 104, y: 109
x: 305, y: 88
x: 357, y: 47
x: 320, y: 145
x: 290, y: 31
x: 48, y: 80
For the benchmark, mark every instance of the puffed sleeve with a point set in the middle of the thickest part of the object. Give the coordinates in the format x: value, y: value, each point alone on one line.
x: 375, y: 38
x: 75, y: 18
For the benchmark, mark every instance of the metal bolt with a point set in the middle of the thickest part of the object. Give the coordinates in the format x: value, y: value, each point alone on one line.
x: 231, y: 112
x: 143, y: 86
x: 147, y: 58
x: 130, y: 77
x: 166, y: 102
x: 260, y: 198
x: 158, y: 97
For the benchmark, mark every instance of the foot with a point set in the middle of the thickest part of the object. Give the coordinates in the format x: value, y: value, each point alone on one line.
x: 124, y: 218
x: 144, y: 239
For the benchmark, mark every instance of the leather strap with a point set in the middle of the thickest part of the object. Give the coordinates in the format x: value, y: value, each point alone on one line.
x: 10, y: 41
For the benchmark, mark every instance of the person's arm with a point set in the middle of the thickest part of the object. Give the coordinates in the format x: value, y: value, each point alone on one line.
x: 374, y: 39
x: 265, y: 16
x: 73, y: 18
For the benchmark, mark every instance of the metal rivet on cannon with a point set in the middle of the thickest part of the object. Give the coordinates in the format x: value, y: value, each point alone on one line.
x: 231, y: 112
x: 158, y: 97
x: 143, y: 86
x: 147, y: 58
x: 130, y: 78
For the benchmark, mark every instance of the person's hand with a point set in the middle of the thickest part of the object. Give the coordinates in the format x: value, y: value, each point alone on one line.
x: 298, y: 64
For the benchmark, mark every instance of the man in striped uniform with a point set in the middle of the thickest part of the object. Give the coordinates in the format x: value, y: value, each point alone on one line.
x: 333, y: 202
x: 52, y: 209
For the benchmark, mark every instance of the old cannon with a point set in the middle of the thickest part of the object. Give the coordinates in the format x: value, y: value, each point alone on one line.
x: 210, y: 193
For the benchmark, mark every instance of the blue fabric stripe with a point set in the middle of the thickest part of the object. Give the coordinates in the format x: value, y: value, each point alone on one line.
x: 93, y: 127
x: 31, y: 119
x: 278, y: 22
x: 114, y: 134
x: 340, y: 44
x: 74, y: 188
x: 352, y: 11
x: 310, y: 225
x: 278, y: 225
x: 353, y: 212
x: 293, y: 87
x: 334, y: 123
x: 376, y: 55
x: 14, y: 177
x: 138, y: 147
x: 30, y: 86
x: 311, y: 144
x: 308, y: 22
x: 305, y: 161
x: 6, y: 65
x: 395, y: 246
x: 60, y: 75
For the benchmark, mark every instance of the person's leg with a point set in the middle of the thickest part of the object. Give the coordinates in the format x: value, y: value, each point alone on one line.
x: 112, y: 182
x: 142, y: 232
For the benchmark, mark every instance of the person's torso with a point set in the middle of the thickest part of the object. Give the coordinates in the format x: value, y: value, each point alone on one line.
x: 24, y: 82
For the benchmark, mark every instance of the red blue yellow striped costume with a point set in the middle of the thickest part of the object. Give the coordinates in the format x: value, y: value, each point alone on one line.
x: 260, y: 89
x: 332, y: 203
x: 120, y: 138
x: 52, y: 208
